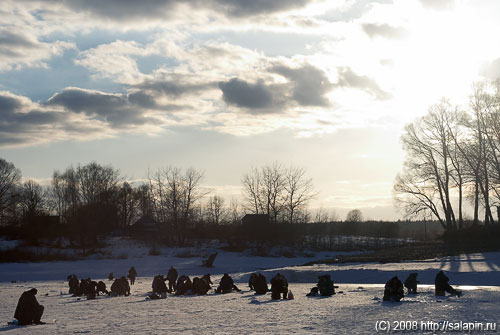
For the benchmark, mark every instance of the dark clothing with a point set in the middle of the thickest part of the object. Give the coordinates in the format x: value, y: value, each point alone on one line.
x: 184, y: 285
x: 172, y: 278
x: 325, y: 286
x: 74, y: 285
x: 441, y: 285
x: 411, y: 283
x: 258, y: 282
x: 226, y: 284
x: 208, y: 279
x: 120, y: 287
x: 91, y: 289
x: 132, y: 274
x: 393, y: 290
x: 84, y: 283
x: 159, y: 285
x: 28, y: 310
x: 314, y: 292
x: 126, y: 285
x: 101, y: 287
x: 279, y: 285
x: 200, y: 286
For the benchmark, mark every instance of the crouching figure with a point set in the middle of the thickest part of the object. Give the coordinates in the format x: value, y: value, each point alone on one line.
x: 394, y: 290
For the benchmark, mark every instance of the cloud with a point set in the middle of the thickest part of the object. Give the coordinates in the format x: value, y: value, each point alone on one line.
x: 246, y: 95
x: 175, y: 85
x: 80, y: 114
x: 125, y: 10
x: 114, y: 109
x: 347, y: 78
x: 245, y: 8
x: 438, y: 5
x: 305, y: 86
x: 19, y: 48
x: 309, y: 83
x: 384, y: 30
x: 114, y: 60
x: 25, y: 122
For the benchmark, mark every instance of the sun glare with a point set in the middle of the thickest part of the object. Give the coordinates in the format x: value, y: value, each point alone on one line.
x: 442, y: 56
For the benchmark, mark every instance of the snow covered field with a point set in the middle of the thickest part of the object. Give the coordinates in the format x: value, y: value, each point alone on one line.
x: 355, y: 311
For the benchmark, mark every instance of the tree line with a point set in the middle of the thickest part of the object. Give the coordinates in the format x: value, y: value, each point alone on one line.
x: 453, y: 161
x: 93, y: 200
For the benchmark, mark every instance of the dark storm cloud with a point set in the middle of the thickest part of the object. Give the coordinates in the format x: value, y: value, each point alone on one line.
x: 347, y: 78
x: 117, y: 110
x: 384, y: 30
x: 132, y: 9
x: 309, y: 83
x: 242, y: 94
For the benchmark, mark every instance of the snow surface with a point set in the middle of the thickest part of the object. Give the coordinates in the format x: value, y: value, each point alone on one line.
x: 355, y: 311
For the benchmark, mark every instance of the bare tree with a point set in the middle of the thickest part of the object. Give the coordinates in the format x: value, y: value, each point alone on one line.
x: 415, y: 197
x: 354, y: 215
x: 234, y: 211
x: 127, y: 205
x: 263, y: 190
x: 65, y: 192
x: 144, y: 200
x: 298, y: 192
x: 273, y: 182
x: 10, y: 177
x: 33, y: 200
x: 174, y: 194
x: 216, y: 210
x: 97, y: 182
x: 429, y: 166
x: 278, y: 191
x: 252, y: 186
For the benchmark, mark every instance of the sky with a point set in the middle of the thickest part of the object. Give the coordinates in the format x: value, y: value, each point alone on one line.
x: 227, y: 85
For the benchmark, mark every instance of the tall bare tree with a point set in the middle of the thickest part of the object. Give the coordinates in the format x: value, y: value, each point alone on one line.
x: 428, y: 169
x: 217, y: 212
x: 33, y: 199
x: 65, y: 192
x: 298, y: 192
x: 277, y: 191
x: 97, y: 182
x: 10, y: 177
x: 127, y: 205
x: 174, y: 194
